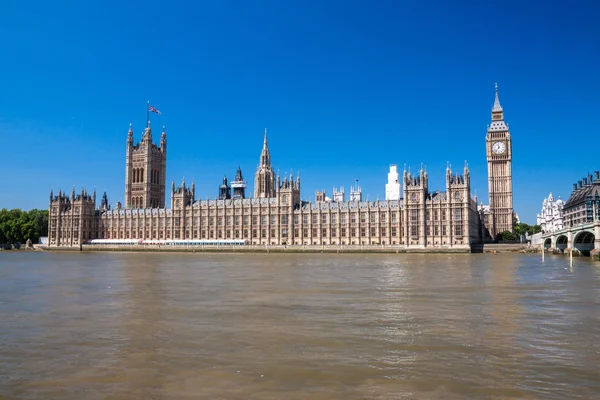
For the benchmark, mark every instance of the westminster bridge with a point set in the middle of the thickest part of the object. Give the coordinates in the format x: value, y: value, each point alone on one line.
x: 583, y: 238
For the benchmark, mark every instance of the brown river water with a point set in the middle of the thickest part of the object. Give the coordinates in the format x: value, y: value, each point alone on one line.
x: 298, y: 326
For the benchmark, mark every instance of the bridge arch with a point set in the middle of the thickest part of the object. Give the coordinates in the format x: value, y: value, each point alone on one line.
x: 562, y: 242
x: 584, y: 242
x: 548, y: 243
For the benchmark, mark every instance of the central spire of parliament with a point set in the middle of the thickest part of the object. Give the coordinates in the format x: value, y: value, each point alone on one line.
x: 264, y: 181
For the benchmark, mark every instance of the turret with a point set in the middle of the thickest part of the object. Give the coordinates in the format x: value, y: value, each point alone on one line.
x: 238, y: 185
x: 163, y: 140
x: 147, y: 137
x: 104, y: 203
x: 355, y: 192
x: 224, y: 190
x: 182, y: 196
x: 130, y: 135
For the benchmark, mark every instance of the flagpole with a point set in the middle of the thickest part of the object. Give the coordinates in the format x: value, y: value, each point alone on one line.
x: 148, y: 114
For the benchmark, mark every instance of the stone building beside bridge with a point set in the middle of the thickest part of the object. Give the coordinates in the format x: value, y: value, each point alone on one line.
x: 581, y: 219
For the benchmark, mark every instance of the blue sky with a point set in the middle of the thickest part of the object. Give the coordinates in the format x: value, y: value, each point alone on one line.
x: 345, y: 88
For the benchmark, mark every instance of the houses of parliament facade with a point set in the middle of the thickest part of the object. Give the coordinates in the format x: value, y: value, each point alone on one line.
x: 276, y: 215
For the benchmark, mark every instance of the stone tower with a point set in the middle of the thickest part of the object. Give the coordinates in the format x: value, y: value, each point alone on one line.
x: 264, y: 180
x: 499, y: 158
x: 356, y: 193
x: 146, y: 168
x: 415, y: 193
x: 72, y: 219
x: 288, y: 195
x: 338, y: 194
x: 182, y: 201
x: 183, y: 196
x: 458, y: 199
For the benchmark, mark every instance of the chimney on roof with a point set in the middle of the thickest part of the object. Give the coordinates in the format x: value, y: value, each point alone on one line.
x: 574, y: 186
x: 596, y: 175
x: 584, y: 181
x: 580, y: 185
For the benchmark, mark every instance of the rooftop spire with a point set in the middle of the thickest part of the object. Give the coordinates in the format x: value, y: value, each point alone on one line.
x: 265, y: 157
x: 265, y: 141
x: 497, y: 106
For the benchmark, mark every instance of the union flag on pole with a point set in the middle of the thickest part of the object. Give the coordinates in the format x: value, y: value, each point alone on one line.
x: 152, y: 109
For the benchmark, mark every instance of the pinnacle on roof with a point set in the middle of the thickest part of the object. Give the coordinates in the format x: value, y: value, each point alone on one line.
x: 224, y: 185
x: 265, y: 141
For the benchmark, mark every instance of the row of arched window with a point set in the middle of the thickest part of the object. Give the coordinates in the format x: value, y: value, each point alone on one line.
x: 155, y: 176
x: 138, y: 202
x: 138, y: 175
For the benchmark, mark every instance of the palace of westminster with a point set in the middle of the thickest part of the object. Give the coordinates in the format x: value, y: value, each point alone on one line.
x: 413, y: 218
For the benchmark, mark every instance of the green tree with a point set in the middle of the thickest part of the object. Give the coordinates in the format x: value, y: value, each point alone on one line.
x: 17, y: 226
x: 507, y: 236
x: 523, y: 228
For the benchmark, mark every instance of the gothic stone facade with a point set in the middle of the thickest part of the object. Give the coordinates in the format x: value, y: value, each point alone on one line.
x: 432, y: 219
x: 277, y: 216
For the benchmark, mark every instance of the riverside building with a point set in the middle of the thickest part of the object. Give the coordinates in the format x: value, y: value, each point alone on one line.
x: 276, y: 215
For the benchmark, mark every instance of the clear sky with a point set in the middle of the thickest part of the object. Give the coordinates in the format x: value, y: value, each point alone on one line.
x: 345, y: 88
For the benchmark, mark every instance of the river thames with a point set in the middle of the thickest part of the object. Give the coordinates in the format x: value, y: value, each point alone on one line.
x: 298, y: 326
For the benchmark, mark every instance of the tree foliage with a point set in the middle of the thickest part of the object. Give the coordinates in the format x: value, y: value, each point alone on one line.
x: 507, y: 236
x: 17, y: 226
x: 523, y: 228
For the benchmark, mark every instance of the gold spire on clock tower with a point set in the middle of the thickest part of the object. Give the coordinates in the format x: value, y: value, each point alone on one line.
x: 499, y: 158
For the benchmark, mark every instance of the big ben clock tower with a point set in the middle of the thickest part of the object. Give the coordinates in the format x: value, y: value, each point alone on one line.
x: 499, y: 158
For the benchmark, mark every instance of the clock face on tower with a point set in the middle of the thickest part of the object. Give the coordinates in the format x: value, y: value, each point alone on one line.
x: 499, y: 147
